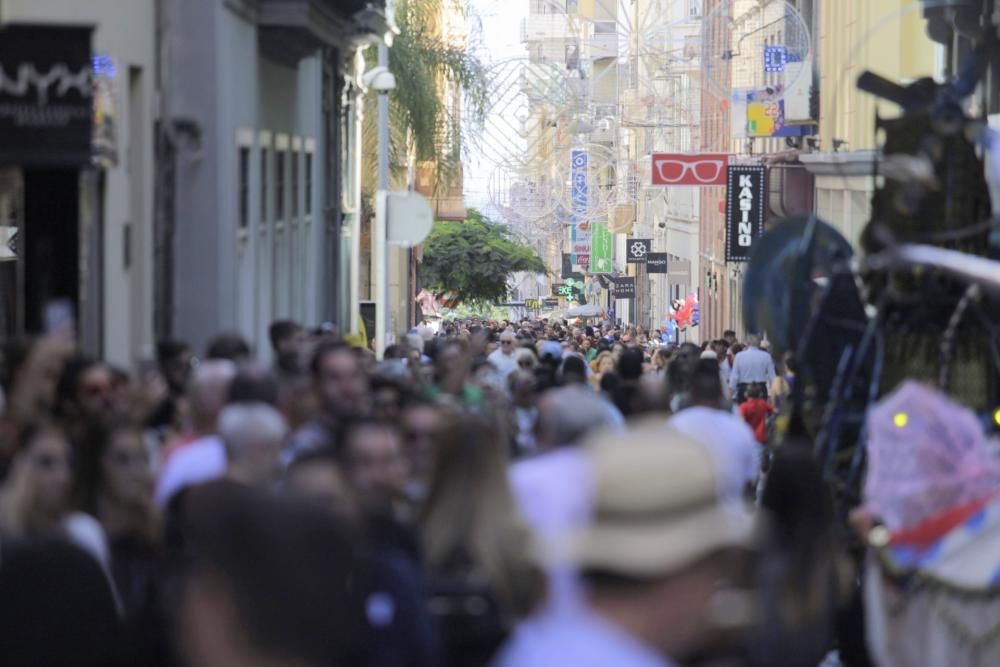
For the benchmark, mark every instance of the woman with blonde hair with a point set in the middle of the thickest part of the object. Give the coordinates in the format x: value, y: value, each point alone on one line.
x: 475, y: 548
x: 605, y: 363
x: 525, y: 359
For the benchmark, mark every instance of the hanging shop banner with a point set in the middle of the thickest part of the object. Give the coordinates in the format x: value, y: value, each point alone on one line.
x: 567, y: 268
x: 601, y: 248
x: 46, y: 95
x: 579, y: 225
x: 745, y: 194
x: 687, y: 169
x: 656, y: 262
x: 624, y: 287
x: 766, y: 117
x: 637, y: 250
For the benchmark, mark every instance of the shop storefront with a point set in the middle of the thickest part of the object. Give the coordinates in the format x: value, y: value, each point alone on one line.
x: 49, y: 193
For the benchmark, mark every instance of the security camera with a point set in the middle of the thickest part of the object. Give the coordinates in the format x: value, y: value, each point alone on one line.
x: 661, y: 225
x: 380, y: 79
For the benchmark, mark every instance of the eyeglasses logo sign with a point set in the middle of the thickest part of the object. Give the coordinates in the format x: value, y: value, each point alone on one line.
x: 687, y: 169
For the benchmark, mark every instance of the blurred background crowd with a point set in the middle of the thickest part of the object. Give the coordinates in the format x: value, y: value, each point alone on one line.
x: 510, y: 493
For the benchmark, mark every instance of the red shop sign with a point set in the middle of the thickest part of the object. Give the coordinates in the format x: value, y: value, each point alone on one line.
x: 690, y: 169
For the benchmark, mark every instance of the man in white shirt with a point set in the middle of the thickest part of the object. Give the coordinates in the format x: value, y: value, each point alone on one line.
x: 553, y: 490
x: 503, y: 357
x: 203, y: 458
x: 729, y: 438
x: 751, y: 366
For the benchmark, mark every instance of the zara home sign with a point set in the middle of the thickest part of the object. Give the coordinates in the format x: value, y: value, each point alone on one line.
x: 746, y: 191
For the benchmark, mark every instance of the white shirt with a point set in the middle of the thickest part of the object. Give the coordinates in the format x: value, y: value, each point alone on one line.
x: 751, y: 365
x: 731, y: 441
x: 86, y: 532
x: 200, y: 461
x: 724, y: 371
x: 505, y: 363
x: 554, y: 493
x: 579, y: 639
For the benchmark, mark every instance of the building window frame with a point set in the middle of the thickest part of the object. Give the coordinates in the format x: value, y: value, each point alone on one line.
x: 281, y: 146
x: 294, y: 178
x: 244, y: 164
x: 265, y: 180
x: 308, y: 176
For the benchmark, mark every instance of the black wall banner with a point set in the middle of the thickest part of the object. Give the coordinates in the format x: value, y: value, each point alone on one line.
x: 656, y: 262
x: 624, y: 287
x: 46, y: 95
x: 637, y: 250
x: 746, y: 192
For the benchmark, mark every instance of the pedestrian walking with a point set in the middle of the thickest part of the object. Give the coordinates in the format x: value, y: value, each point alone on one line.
x: 752, y: 366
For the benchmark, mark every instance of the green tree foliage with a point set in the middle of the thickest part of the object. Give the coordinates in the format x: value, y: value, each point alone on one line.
x: 424, y: 123
x: 473, y: 259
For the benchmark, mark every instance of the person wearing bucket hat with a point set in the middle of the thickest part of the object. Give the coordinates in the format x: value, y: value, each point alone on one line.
x: 651, y: 558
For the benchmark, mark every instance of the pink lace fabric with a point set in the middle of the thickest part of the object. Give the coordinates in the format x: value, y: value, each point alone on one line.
x: 926, y: 454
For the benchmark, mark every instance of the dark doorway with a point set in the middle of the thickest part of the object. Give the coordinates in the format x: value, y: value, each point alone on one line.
x: 51, y: 229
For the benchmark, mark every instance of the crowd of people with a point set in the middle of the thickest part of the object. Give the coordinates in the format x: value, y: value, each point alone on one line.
x: 489, y: 493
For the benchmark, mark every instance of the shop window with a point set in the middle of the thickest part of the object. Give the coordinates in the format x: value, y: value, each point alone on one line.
x: 294, y: 157
x: 264, y: 174
x: 244, y: 187
x: 309, y: 183
x: 279, y: 186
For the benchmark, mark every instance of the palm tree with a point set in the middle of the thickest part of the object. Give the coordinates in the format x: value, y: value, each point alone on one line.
x: 440, y: 97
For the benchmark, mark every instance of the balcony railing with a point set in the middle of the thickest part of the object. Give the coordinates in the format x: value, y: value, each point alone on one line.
x: 294, y: 29
x: 540, y: 27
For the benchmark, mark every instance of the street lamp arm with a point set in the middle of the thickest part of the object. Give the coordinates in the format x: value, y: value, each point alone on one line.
x: 729, y: 55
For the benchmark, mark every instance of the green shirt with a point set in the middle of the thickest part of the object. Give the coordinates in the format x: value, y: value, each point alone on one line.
x: 471, y: 394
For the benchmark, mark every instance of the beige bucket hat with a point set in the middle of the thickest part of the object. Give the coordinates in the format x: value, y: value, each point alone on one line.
x: 656, y: 508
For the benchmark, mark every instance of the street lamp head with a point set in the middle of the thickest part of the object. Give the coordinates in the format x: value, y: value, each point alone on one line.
x: 380, y: 79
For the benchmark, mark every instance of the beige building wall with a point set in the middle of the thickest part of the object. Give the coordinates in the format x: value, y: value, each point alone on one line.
x: 887, y: 37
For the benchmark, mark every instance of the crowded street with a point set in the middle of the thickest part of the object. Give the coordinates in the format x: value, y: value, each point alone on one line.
x: 499, y: 333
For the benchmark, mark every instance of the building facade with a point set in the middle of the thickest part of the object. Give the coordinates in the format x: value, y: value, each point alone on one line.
x: 84, y: 251
x: 252, y: 152
x: 732, y: 122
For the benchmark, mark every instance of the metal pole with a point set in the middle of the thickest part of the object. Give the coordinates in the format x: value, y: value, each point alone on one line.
x: 356, y: 167
x: 379, y: 238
